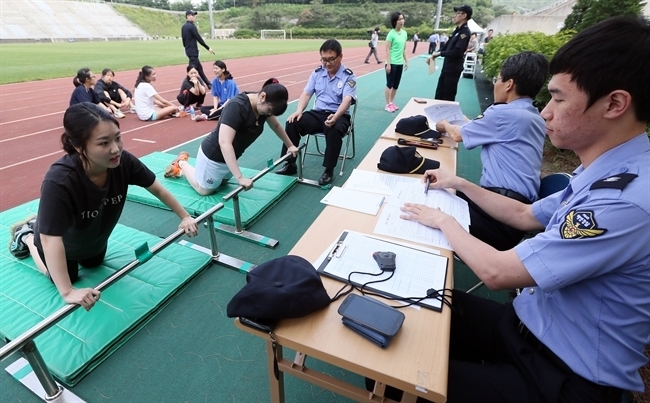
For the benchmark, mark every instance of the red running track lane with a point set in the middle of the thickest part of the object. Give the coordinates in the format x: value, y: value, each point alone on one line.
x: 31, y: 115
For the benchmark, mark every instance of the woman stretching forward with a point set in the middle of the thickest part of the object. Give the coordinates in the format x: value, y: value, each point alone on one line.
x: 241, y: 123
x: 82, y: 197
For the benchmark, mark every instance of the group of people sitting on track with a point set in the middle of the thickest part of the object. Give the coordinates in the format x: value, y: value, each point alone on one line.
x: 147, y: 103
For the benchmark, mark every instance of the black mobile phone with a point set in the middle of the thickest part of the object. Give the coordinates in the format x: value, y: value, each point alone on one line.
x: 372, y: 314
x: 265, y: 326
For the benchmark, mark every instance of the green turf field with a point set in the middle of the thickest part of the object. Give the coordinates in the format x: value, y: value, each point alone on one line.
x: 39, y: 61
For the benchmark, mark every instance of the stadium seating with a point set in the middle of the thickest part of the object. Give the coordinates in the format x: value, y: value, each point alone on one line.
x: 51, y: 20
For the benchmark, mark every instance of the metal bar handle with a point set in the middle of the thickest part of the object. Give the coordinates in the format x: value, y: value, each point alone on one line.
x: 262, y: 173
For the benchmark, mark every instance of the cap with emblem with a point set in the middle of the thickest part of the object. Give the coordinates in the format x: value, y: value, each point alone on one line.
x: 417, y: 125
x: 190, y: 12
x: 465, y: 9
x: 282, y: 288
x: 405, y: 160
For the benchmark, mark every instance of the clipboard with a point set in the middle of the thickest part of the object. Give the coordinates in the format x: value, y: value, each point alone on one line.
x: 417, y: 270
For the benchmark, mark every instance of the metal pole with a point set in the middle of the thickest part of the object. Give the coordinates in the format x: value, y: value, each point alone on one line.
x: 33, y: 356
x: 438, y: 12
x: 235, y: 209
x: 213, y: 237
x: 301, y: 159
x: 211, y: 19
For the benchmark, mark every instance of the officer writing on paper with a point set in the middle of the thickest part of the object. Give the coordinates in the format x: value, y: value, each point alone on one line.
x: 578, y: 330
x: 511, y: 136
x: 335, y: 88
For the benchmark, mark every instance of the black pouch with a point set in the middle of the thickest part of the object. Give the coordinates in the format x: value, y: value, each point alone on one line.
x: 370, y: 44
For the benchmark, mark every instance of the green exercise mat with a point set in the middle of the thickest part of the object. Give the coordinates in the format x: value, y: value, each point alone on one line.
x: 81, y: 341
x: 267, y: 191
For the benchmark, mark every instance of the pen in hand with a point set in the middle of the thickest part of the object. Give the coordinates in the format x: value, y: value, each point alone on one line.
x: 426, y: 185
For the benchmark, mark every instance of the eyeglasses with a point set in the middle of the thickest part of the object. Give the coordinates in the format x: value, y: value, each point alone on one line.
x: 495, y: 80
x: 329, y: 60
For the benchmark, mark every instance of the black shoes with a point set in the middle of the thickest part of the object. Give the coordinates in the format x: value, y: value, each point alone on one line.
x: 17, y: 246
x: 289, y: 168
x: 366, y: 62
x: 326, y: 178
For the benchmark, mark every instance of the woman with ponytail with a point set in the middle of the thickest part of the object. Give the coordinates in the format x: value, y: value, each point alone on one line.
x: 223, y: 89
x: 82, y: 197
x: 149, y: 105
x: 241, y: 123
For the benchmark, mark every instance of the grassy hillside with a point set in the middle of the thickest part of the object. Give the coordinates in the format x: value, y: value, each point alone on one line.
x: 64, y: 59
x: 156, y: 23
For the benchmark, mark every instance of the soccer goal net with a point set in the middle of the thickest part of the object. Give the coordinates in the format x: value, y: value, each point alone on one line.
x: 273, y: 34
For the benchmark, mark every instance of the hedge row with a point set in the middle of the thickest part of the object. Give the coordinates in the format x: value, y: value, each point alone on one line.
x: 504, y: 46
x: 348, y: 33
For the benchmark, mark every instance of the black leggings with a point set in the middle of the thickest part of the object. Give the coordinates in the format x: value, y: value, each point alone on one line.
x: 73, y: 265
x: 205, y: 109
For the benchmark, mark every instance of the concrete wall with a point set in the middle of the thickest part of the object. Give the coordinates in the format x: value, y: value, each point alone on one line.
x: 548, y: 25
x: 548, y: 20
x: 55, y: 20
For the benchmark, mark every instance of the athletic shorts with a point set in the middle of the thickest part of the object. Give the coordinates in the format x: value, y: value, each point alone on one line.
x: 115, y: 96
x: 210, y: 174
x: 393, y: 79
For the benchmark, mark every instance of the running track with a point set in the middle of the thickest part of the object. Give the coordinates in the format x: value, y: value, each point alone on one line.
x: 31, y: 114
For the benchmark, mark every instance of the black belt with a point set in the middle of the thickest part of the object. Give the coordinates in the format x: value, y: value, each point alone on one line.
x: 557, y: 361
x: 510, y: 193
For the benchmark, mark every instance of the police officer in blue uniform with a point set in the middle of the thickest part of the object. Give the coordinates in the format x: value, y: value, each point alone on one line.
x: 511, y: 136
x: 578, y: 330
x: 335, y: 89
x: 454, y: 54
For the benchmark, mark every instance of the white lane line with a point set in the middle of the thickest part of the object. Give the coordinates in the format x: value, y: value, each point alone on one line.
x: 31, y: 117
x: 31, y: 134
x: 144, y: 141
x: 30, y: 160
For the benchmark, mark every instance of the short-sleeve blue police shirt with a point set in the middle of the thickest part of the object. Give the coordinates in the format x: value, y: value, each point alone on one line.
x: 512, y: 140
x: 331, y: 91
x: 591, y: 305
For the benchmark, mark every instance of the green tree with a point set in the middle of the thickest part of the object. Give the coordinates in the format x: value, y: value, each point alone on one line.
x: 586, y: 13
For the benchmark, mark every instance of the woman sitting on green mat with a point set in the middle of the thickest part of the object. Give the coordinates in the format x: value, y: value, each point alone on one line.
x: 82, y: 197
x: 241, y: 123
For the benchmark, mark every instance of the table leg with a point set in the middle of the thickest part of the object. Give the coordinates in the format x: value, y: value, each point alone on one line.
x: 277, y: 385
x: 408, y: 398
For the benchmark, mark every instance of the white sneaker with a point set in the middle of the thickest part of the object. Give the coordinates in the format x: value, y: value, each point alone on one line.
x: 201, y: 118
x: 118, y: 114
x: 132, y: 109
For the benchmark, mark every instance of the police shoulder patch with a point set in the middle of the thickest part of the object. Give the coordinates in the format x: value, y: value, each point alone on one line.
x: 319, y: 68
x: 463, y: 36
x: 580, y: 224
x: 619, y: 182
x: 479, y: 116
x: 348, y: 71
x: 352, y: 83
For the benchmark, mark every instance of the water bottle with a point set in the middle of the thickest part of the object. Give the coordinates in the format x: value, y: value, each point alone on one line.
x: 192, y: 114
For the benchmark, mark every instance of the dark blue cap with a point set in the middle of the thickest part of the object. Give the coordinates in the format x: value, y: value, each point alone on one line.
x: 405, y: 160
x: 418, y: 126
x: 282, y: 288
